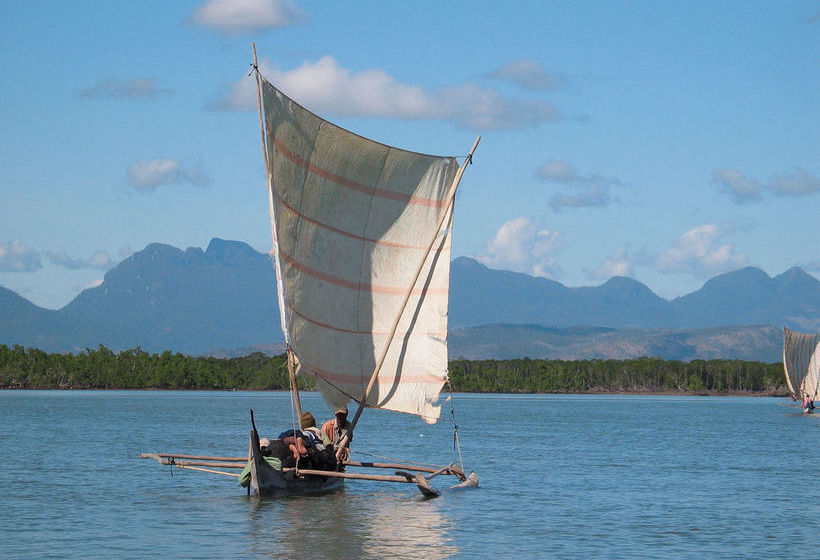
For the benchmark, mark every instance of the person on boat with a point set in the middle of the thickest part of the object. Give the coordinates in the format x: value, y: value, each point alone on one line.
x: 808, y: 404
x: 340, y: 433
x: 305, y: 440
x: 295, y: 442
x: 314, y: 437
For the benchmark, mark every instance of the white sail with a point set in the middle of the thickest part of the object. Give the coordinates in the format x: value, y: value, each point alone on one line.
x: 801, y: 362
x: 353, y: 221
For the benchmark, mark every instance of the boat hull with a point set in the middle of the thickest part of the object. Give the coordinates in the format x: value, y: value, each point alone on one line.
x: 268, y: 482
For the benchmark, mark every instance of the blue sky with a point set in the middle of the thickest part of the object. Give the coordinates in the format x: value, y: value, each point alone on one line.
x: 665, y: 141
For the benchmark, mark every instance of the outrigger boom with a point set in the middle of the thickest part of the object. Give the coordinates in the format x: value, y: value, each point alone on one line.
x: 197, y: 462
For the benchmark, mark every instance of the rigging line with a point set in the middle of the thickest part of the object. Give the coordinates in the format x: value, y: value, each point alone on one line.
x: 456, y: 444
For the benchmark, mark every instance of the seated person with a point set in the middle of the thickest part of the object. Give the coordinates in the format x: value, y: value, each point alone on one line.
x: 314, y: 436
x: 339, y: 432
x: 301, y: 441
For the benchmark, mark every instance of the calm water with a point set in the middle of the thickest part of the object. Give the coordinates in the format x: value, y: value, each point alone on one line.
x: 561, y: 477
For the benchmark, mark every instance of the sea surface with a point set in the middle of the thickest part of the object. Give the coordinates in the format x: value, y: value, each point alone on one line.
x: 562, y: 476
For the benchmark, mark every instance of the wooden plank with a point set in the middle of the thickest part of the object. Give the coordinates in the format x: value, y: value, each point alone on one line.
x: 451, y: 469
x: 358, y: 476
x: 185, y: 456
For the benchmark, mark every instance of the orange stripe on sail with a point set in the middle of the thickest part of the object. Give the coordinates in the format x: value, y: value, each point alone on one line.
x: 353, y: 185
x: 334, y: 377
x: 301, y: 216
x: 351, y: 331
x: 357, y: 286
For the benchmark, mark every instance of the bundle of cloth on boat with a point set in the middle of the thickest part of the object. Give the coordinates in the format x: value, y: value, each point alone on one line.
x: 317, y: 453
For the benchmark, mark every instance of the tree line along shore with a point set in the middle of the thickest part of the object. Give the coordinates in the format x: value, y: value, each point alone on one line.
x: 28, y: 368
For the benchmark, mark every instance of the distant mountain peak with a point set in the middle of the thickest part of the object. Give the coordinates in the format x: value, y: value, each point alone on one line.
x: 797, y: 274
x: 225, y: 297
x: 231, y: 252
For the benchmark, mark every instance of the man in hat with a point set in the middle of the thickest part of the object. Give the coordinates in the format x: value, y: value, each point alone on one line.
x: 314, y: 436
x: 339, y: 432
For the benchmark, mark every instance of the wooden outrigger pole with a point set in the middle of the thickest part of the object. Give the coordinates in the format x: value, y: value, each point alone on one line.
x: 294, y: 389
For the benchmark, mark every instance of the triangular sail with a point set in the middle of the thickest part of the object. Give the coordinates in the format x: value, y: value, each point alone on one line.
x: 353, y: 221
x: 801, y: 362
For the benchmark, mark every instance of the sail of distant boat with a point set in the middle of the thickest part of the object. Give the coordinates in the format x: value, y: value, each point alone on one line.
x: 801, y: 363
x: 362, y: 235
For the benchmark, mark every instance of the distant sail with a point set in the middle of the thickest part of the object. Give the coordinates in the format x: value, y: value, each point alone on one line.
x: 801, y: 363
x: 352, y: 221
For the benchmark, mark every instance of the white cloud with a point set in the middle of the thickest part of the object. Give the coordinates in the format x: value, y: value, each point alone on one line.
x: 593, y: 189
x: 746, y: 189
x: 558, y: 171
x: 799, y: 183
x: 701, y: 253
x: 521, y: 247
x: 740, y: 187
x: 247, y: 16
x: 147, y: 175
x: 592, y: 196
x: 99, y: 260
x: 619, y: 264
x: 527, y: 74
x: 93, y: 284
x: 329, y: 89
x: 16, y: 256
x: 136, y: 88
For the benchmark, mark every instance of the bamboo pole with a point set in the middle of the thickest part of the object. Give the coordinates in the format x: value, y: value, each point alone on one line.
x: 450, y: 197
x: 358, y: 476
x: 291, y: 374
x: 207, y: 464
x: 259, y: 109
x: 207, y: 470
x: 448, y: 470
x: 294, y: 388
x: 184, y: 456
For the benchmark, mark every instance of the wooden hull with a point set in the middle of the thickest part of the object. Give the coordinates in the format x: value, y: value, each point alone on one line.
x: 267, y: 482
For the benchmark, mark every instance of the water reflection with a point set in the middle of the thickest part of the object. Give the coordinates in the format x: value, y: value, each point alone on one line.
x: 350, y: 524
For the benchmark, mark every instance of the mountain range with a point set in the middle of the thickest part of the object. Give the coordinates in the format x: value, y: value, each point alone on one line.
x: 222, y: 302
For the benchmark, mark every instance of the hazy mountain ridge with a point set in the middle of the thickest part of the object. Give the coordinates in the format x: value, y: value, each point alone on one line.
x: 223, y: 299
x: 754, y: 343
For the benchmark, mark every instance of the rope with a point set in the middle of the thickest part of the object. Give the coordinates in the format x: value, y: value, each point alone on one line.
x: 456, y: 444
x: 293, y: 422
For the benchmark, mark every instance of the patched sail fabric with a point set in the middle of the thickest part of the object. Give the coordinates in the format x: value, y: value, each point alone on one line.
x: 811, y: 383
x: 353, y: 220
x: 801, y: 363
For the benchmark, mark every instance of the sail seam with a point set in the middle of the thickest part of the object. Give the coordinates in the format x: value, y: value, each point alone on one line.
x: 355, y: 186
x: 389, y: 290
x: 422, y: 379
x: 341, y: 231
x: 436, y: 335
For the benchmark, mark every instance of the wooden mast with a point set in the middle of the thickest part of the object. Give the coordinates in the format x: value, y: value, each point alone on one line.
x: 451, y: 197
x: 291, y: 373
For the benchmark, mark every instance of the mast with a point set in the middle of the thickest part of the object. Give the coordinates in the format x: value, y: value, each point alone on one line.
x: 291, y: 372
x: 451, y: 198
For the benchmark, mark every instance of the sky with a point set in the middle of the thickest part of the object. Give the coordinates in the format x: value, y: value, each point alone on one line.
x: 665, y: 141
